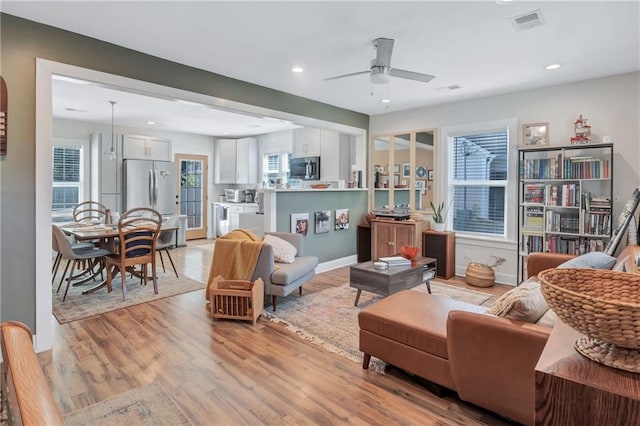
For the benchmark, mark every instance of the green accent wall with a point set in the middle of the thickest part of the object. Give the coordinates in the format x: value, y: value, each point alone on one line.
x: 335, y: 244
x: 21, y: 42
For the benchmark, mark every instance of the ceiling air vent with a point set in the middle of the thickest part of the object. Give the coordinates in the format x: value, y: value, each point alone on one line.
x: 448, y: 88
x: 528, y: 20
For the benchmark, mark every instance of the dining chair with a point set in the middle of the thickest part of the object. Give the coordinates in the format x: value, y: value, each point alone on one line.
x: 138, y: 231
x: 90, y: 211
x: 165, y: 241
x: 67, y: 252
x: 58, y: 259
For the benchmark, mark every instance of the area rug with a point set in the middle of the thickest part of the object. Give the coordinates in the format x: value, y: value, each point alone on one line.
x: 329, y: 319
x: 78, y: 306
x: 148, y: 405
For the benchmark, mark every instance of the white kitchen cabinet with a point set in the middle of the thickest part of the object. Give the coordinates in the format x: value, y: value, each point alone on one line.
x: 147, y: 148
x: 306, y: 142
x: 236, y: 161
x: 234, y: 216
x: 330, y: 155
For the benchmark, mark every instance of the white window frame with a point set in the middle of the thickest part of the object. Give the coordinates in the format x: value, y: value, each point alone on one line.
x: 80, y: 184
x: 283, y: 164
x: 445, y: 181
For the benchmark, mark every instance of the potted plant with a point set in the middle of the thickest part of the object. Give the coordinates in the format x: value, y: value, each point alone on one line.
x: 439, y: 216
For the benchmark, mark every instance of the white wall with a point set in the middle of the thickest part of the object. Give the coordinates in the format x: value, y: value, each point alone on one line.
x: 610, y: 103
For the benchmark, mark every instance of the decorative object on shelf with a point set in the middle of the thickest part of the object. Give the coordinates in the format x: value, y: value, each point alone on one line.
x: 482, y: 275
x: 4, y: 116
x: 430, y: 175
x: 410, y: 252
x: 421, y: 171
x: 406, y: 170
x: 342, y: 219
x: 582, y: 132
x: 323, y: 221
x: 300, y: 223
x: 320, y: 185
x: 582, y: 297
x: 535, y: 134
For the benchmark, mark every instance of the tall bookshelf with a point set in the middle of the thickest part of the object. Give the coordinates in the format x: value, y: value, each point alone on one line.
x: 564, y: 199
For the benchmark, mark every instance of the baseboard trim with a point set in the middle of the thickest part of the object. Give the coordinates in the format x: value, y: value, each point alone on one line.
x: 336, y: 263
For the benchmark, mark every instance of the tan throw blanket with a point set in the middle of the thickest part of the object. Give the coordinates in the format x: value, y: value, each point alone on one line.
x: 235, y: 256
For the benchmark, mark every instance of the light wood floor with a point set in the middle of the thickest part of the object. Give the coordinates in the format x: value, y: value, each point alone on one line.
x: 229, y: 373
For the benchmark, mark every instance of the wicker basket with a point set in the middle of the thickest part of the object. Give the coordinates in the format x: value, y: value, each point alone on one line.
x: 480, y: 275
x: 604, y: 306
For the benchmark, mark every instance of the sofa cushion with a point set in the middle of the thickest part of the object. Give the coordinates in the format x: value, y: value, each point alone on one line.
x: 286, y: 273
x: 524, y: 303
x: 283, y: 251
x: 594, y: 259
x: 414, y: 319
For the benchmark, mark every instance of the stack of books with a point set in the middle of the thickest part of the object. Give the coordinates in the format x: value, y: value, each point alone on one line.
x: 395, y: 261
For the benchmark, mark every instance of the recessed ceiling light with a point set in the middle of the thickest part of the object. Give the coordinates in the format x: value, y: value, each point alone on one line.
x: 75, y: 110
x: 297, y: 69
x: 151, y: 122
x: 70, y: 79
x: 552, y: 66
x: 385, y: 101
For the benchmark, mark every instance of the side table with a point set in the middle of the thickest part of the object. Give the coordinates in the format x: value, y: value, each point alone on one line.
x: 573, y: 390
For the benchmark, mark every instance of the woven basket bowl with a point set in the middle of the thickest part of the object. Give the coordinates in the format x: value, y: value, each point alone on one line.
x: 601, y: 304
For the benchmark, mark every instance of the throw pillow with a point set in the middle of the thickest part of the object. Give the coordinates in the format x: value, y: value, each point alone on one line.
x: 283, y: 251
x: 548, y: 319
x: 594, y: 259
x: 524, y: 303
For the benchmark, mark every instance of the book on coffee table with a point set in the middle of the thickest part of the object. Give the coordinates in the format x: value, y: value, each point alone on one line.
x: 395, y: 260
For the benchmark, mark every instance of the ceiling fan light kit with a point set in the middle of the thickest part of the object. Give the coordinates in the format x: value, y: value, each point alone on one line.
x: 380, y: 69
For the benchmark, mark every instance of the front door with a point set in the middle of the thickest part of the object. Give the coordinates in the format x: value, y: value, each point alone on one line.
x: 192, y: 187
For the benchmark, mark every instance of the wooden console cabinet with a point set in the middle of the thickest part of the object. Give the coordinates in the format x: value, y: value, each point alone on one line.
x: 441, y: 246
x: 387, y: 236
x: 573, y: 390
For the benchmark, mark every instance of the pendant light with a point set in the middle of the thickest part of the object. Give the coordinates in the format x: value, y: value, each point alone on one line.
x: 112, y: 152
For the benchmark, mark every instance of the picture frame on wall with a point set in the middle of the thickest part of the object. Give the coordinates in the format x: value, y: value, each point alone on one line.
x: 396, y: 168
x: 421, y: 184
x: 323, y: 221
x: 300, y: 223
x: 342, y: 219
x: 406, y: 170
x: 430, y: 175
x: 535, y: 134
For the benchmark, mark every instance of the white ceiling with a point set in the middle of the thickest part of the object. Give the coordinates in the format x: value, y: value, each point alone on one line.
x: 472, y: 44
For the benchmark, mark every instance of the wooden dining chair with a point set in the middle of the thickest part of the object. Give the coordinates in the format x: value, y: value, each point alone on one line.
x: 90, y: 211
x: 67, y: 252
x: 138, y: 231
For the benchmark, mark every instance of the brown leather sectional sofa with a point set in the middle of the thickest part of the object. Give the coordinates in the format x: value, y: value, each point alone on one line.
x: 488, y: 360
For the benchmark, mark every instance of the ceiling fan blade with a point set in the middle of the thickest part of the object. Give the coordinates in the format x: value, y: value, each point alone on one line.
x: 384, y: 48
x: 410, y: 75
x: 347, y: 75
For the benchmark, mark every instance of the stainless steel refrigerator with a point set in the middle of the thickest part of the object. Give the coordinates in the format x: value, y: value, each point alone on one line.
x: 150, y: 184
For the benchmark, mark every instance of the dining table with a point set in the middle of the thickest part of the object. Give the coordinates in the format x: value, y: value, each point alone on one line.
x: 106, y: 234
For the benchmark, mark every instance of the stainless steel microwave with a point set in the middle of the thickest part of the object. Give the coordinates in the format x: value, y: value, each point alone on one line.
x: 305, y: 168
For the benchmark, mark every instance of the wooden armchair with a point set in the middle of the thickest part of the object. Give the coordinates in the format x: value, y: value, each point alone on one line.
x: 138, y: 231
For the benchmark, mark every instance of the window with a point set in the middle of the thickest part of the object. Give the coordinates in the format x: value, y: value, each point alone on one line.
x: 67, y: 173
x: 478, y: 181
x: 275, y: 166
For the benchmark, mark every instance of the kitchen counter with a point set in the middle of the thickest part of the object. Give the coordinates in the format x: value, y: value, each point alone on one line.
x: 225, y: 203
x: 315, y: 190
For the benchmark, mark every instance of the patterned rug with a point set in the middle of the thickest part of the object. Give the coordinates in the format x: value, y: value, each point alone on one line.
x: 78, y: 306
x: 148, y: 405
x: 329, y: 319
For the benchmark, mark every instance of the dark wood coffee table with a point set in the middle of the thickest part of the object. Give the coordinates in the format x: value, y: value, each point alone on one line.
x: 364, y: 276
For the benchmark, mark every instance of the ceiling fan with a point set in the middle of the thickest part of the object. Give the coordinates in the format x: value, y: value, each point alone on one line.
x: 380, y: 69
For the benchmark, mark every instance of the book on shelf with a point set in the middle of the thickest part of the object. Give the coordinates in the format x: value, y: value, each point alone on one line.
x: 395, y: 260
